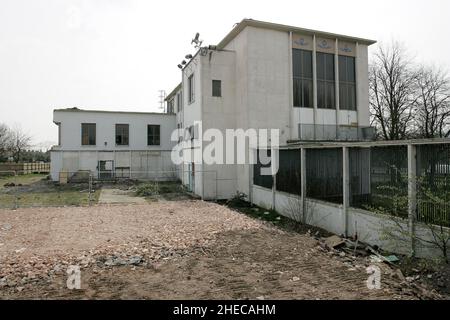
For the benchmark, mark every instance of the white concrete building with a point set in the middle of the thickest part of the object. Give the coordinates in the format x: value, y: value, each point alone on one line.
x: 311, y: 85
x: 113, y: 144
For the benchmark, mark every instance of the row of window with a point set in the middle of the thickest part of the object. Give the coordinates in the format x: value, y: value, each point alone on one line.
x: 89, y: 134
x: 302, y: 65
x: 326, y: 98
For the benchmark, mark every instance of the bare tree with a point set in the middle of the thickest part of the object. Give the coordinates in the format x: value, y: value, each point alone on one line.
x: 432, y: 109
x: 4, y: 140
x: 392, y: 83
x: 20, y: 141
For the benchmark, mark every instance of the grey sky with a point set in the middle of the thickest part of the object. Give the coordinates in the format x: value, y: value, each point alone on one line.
x: 117, y: 54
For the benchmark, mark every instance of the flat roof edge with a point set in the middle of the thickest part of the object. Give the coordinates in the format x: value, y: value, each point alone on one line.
x: 281, y: 27
x: 110, y: 111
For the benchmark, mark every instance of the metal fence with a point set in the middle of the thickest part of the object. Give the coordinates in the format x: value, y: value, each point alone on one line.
x: 379, y: 179
x: 433, y: 172
x: 398, y: 178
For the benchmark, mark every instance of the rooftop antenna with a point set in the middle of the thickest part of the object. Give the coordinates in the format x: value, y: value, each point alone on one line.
x: 162, y: 98
x: 197, y: 41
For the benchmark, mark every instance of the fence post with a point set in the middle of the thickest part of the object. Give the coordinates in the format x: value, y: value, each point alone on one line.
x: 274, y: 165
x: 345, y: 188
x: 412, y: 195
x: 303, y: 183
x: 16, y: 195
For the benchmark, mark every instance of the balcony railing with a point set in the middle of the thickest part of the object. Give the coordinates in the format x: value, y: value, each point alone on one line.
x: 311, y: 132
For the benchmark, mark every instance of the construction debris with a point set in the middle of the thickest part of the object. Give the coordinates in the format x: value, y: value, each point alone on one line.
x: 334, y: 242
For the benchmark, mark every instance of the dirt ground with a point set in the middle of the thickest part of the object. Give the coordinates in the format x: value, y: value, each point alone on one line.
x: 174, y: 250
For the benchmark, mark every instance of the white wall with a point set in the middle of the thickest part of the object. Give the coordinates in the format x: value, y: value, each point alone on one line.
x: 140, y: 158
x: 105, y: 125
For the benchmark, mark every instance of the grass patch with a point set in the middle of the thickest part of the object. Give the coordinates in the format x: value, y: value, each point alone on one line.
x: 239, y: 204
x: 48, y: 199
x: 149, y: 189
x: 33, y: 190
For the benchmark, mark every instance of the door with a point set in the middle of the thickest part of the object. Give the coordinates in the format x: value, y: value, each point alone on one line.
x: 106, y: 169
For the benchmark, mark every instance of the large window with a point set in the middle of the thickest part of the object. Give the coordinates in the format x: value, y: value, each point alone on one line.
x: 191, y: 92
x: 303, y: 79
x: 122, y: 134
x: 325, y: 81
x: 347, y: 83
x: 88, y: 134
x: 153, y: 135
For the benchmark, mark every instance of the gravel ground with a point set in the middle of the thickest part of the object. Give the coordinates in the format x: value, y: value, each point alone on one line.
x: 175, y: 250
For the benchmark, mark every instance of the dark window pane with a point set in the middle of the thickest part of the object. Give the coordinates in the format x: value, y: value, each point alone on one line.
x: 320, y: 66
x: 307, y: 94
x: 191, y: 88
x: 297, y: 93
x: 330, y: 96
x: 153, y: 135
x: 329, y: 67
x: 217, y: 88
x: 307, y: 64
x: 347, y: 86
x: 122, y: 131
x: 342, y: 68
x: 321, y: 102
x: 351, y: 69
x: 302, y: 82
x: 352, y: 97
x: 296, y: 62
x: 88, y: 132
x: 343, y: 94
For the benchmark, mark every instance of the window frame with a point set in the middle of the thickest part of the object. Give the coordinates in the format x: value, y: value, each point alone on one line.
x: 303, y: 79
x: 191, y: 89
x: 89, y: 127
x: 326, y: 84
x: 217, y: 91
x: 346, y: 81
x: 152, y: 136
x: 123, y: 134
x: 179, y: 102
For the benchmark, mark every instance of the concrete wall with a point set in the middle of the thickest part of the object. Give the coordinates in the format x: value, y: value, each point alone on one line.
x: 371, y: 228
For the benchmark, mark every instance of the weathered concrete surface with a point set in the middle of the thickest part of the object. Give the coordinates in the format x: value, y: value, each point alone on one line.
x: 111, y: 196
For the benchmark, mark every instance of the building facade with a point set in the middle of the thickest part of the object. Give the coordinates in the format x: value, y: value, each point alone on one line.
x: 310, y: 85
x: 113, y: 144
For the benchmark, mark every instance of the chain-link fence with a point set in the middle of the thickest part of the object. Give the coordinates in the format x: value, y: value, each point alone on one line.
x: 84, y: 187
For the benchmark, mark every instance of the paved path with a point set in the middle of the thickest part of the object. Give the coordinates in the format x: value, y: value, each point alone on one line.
x: 110, y: 196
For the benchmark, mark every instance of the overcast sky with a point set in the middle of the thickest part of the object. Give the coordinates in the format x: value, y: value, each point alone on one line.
x: 117, y: 54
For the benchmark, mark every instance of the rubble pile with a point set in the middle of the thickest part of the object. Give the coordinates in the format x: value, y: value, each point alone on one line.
x: 357, y: 255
